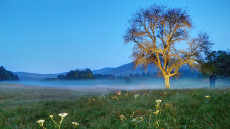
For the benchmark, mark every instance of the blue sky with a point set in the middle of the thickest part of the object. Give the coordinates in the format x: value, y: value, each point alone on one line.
x: 52, y: 36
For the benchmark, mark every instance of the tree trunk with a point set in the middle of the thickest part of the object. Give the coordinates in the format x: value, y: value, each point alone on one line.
x: 167, y: 85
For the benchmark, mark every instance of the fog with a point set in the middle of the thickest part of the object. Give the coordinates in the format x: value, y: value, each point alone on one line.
x: 137, y: 84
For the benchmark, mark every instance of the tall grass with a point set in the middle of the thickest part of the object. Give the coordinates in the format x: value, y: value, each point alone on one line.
x: 129, y: 109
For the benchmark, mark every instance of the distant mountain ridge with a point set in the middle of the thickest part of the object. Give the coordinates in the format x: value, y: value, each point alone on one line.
x: 123, y: 70
x: 36, y: 76
x: 103, y: 70
x: 127, y: 69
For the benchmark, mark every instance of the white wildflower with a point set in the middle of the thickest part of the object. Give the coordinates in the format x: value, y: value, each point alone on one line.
x: 75, y: 123
x: 63, y: 114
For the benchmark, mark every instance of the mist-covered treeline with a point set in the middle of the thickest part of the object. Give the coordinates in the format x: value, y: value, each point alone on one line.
x: 74, y: 75
x: 77, y: 74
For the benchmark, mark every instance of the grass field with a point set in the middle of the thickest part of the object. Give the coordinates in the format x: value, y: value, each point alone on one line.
x: 20, y: 108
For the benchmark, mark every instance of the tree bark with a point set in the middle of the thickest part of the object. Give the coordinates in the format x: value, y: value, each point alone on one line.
x: 167, y: 84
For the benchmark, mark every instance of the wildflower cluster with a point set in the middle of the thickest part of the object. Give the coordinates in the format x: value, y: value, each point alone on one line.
x: 136, y: 96
x: 57, y: 124
x: 122, y: 117
x: 138, y: 119
x: 115, y: 98
x: 102, y: 96
x: 62, y: 115
x: 91, y: 100
x: 41, y: 123
x: 158, y: 102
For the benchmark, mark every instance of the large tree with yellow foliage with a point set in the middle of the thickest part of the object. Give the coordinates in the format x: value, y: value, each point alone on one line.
x: 161, y: 37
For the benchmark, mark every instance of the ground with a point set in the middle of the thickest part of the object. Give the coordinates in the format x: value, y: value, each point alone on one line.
x: 21, y: 107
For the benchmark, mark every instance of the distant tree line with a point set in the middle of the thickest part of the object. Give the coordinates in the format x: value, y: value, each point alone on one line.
x: 104, y: 76
x: 217, y: 62
x: 75, y: 75
x: 7, y: 75
x: 87, y: 74
x: 144, y: 75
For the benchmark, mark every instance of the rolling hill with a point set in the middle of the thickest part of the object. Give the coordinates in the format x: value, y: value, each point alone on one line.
x: 124, y: 70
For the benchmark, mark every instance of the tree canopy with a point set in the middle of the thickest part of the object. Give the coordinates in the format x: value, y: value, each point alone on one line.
x: 77, y: 75
x: 217, y: 62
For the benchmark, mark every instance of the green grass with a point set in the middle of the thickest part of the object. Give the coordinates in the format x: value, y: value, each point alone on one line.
x: 21, y: 108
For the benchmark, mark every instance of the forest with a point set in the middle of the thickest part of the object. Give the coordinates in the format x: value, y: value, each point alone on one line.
x: 7, y: 75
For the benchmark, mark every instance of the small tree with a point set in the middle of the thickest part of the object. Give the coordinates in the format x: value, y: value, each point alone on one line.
x: 155, y: 31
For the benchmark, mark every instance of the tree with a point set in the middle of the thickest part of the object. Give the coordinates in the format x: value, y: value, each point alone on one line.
x: 217, y: 62
x: 77, y: 74
x: 208, y: 67
x: 7, y: 75
x: 155, y: 31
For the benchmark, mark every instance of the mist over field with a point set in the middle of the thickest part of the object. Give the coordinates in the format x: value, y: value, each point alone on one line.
x: 134, y: 84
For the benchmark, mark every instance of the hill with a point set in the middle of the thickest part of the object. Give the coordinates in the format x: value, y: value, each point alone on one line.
x: 103, y: 70
x: 124, y: 70
x: 7, y: 75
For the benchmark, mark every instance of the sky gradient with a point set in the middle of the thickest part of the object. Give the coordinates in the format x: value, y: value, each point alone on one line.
x: 52, y: 36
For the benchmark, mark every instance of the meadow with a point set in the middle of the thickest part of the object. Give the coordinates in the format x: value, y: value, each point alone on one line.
x: 21, y: 108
